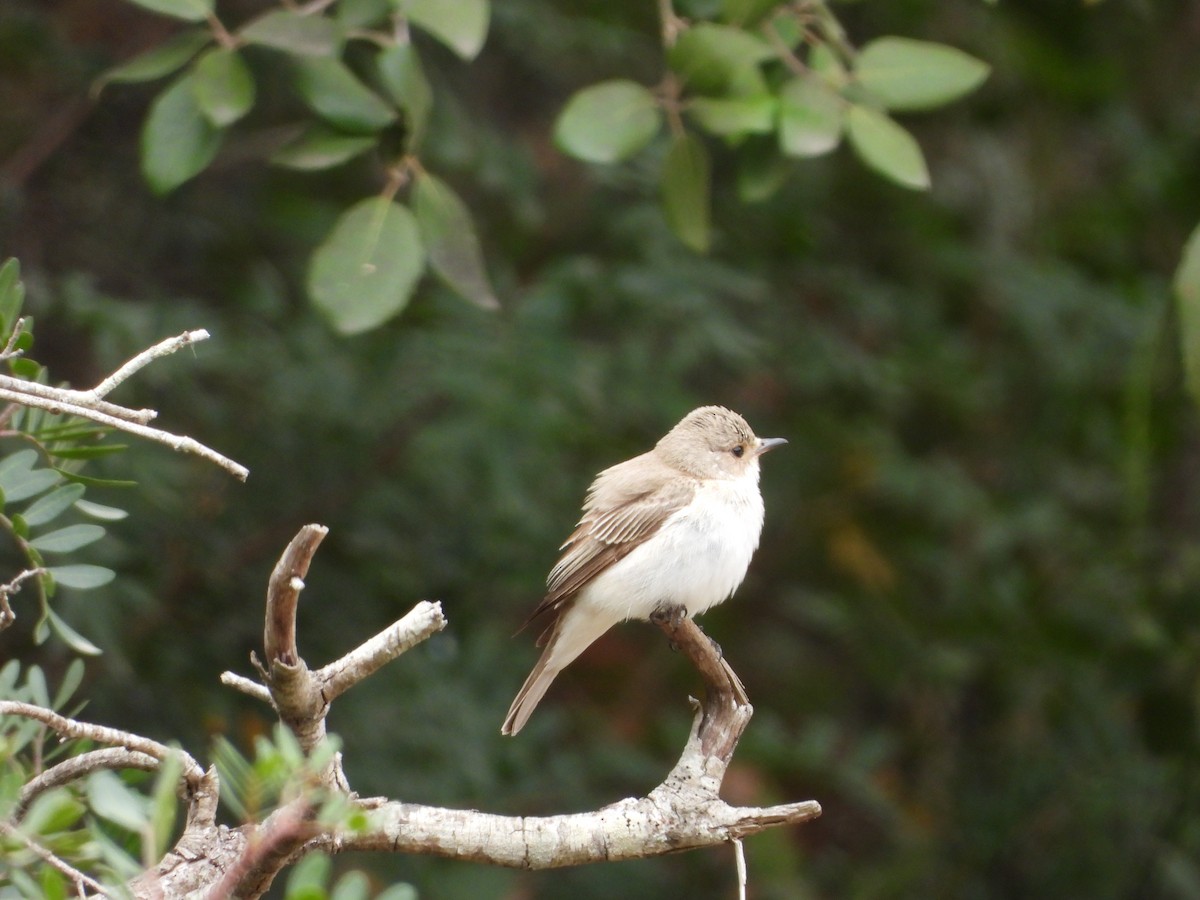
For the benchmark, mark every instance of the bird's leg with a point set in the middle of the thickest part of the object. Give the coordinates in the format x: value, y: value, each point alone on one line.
x: 669, y: 617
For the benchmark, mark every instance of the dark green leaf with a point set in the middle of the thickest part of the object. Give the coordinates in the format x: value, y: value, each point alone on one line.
x: 462, y: 25
x: 359, y: 14
x: 92, y: 452
x: 403, y: 78
x: 335, y: 94
x: 887, y: 148
x: 178, y: 142
x: 224, y: 86
x: 53, y: 504
x: 81, y: 576
x: 608, y: 122
x: 164, y: 59
x: 719, y: 59
x: 685, y: 191
x: 90, y: 481
x: 64, y: 540
x: 188, y: 10
x: 810, y: 117
x: 761, y: 170
x: 1187, y: 298
x: 26, y: 368
x: 734, y: 116
x: 365, y: 271
x: 746, y: 12
x: 906, y: 74
x: 448, y: 234
x: 313, y: 35
x: 321, y: 148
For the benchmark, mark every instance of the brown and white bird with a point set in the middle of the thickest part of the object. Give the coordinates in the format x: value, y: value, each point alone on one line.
x: 674, y: 527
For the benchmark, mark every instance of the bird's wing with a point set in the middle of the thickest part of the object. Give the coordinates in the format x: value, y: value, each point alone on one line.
x: 624, y: 508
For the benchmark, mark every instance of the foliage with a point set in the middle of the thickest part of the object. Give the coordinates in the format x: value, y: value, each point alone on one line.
x: 970, y: 630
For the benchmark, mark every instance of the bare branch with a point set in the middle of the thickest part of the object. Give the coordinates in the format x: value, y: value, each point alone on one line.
x: 80, y: 766
x: 246, y: 686
x: 147, y: 356
x: 101, y: 734
x: 7, y: 616
x: 283, y: 594
x: 422, y: 621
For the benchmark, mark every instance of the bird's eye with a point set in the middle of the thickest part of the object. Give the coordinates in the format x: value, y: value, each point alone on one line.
x: 738, y: 451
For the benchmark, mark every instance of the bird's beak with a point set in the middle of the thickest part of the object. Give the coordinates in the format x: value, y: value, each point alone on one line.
x: 765, y: 444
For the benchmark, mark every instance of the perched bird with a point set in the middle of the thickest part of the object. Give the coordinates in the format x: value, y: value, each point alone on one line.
x: 674, y: 527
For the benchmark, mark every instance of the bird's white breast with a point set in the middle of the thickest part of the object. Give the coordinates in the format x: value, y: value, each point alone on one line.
x: 696, y: 559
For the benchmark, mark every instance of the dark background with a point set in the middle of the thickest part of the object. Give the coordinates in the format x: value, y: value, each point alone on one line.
x: 971, y: 630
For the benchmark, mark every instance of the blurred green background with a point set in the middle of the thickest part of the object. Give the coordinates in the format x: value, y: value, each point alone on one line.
x: 972, y: 629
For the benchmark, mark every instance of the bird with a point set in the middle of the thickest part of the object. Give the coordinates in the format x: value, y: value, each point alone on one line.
x: 672, y: 528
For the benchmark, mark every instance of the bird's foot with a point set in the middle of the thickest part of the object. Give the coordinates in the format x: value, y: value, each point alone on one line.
x: 669, y: 616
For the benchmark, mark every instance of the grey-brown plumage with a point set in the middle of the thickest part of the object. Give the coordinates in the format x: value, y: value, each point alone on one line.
x: 675, y: 526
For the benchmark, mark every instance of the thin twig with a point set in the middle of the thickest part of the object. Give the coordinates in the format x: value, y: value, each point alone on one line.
x: 7, y: 616
x: 79, y: 766
x: 246, y: 686
x: 147, y: 356
x: 283, y: 595
x: 422, y: 621
x: 81, y: 880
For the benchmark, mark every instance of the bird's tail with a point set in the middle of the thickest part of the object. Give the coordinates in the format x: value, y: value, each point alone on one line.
x: 569, y: 636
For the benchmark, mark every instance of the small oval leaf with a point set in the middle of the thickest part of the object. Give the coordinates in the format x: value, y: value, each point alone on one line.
x: 188, y: 10
x: 99, y: 511
x: 448, y: 233
x: 321, y: 148
x: 167, y: 57
x: 887, y: 147
x: 294, y: 33
x: 907, y: 74
x: 82, y: 576
x: 734, y: 116
x: 608, y: 122
x: 53, y: 504
x: 462, y: 25
x: 178, y: 142
x: 224, y: 86
x: 365, y: 271
x: 719, y: 59
x: 23, y: 484
x: 335, y: 93
x: 64, y: 540
x: 403, y: 78
x: 810, y: 117
x: 685, y: 191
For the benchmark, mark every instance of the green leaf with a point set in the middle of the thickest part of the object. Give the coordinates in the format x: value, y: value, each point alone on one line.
x: 289, y: 31
x: 311, y: 872
x: 26, y: 368
x: 224, y: 86
x: 335, y: 94
x: 53, y: 504
x: 111, y: 799
x: 162, y: 60
x: 403, y: 78
x: 1187, y: 298
x: 90, y: 452
x: 448, y: 234
x: 906, y: 74
x: 461, y: 25
x: 71, y: 680
x: 887, y: 148
x: 685, y: 191
x: 351, y: 886
x: 718, y: 59
x: 188, y: 10
x: 54, y: 811
x: 608, y: 122
x: 164, y: 804
x: 761, y: 170
x: 12, y: 295
x: 365, y: 271
x: 178, y: 142
x: 69, y: 635
x: 21, y: 461
x: 64, y: 540
x: 98, y: 511
x: 746, y: 12
x: 23, y: 484
x: 734, y: 116
x: 321, y: 148
x: 810, y: 117
x: 358, y: 14
x: 81, y: 576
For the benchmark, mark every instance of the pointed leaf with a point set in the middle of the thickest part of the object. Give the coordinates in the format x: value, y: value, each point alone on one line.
x: 365, y: 271
x: 1187, y: 296
x: 224, y: 86
x: 53, y: 504
x: 294, y: 33
x: 810, y: 118
x: 608, y: 122
x: 70, y: 636
x: 906, y: 74
x: 335, y: 93
x: 12, y: 295
x: 82, y: 577
x: 188, y: 10
x: 178, y: 142
x: 462, y: 25
x: 448, y: 234
x: 162, y: 60
x: 321, y: 148
x: 403, y: 78
x: 98, y: 511
x: 64, y: 540
x: 685, y: 191
x: 887, y: 148
x: 71, y: 680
